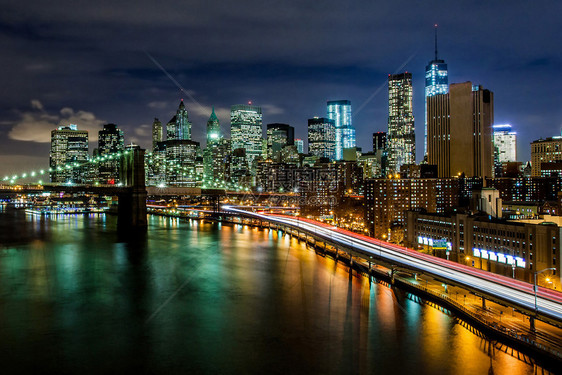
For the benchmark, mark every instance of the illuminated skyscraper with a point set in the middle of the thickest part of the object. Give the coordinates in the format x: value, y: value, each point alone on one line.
x: 110, y: 141
x: 246, y: 131
x: 182, y: 160
x: 460, y: 131
x: 157, y: 133
x: 544, y: 152
x: 279, y: 136
x: 300, y: 145
x: 179, y: 127
x: 505, y: 143
x: 68, y: 146
x: 436, y: 82
x: 216, y: 153
x: 213, y: 129
x: 340, y: 112
x: 322, y: 137
x: 401, y: 137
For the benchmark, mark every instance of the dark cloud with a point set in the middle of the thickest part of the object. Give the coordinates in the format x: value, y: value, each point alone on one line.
x: 289, y: 56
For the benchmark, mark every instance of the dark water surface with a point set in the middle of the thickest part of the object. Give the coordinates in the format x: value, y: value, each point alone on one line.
x: 195, y: 297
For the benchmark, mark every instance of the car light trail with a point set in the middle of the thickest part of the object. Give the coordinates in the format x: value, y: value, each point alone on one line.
x: 514, y: 291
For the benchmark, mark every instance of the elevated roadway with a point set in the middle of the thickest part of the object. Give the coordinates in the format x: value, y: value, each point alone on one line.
x: 501, y: 289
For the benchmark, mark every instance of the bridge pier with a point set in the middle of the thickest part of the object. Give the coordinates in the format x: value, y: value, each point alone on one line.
x: 131, y: 209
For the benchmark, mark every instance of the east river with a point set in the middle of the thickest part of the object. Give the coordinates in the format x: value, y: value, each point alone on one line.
x: 202, y: 297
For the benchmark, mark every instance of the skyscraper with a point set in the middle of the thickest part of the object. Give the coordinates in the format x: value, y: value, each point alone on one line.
x: 300, y: 145
x: 182, y: 157
x: 322, y: 137
x: 68, y: 145
x: 110, y: 141
x: 214, y: 133
x: 179, y: 127
x: 505, y: 143
x: 401, y: 132
x: 379, y: 141
x: 216, y: 152
x: 545, y: 152
x: 460, y: 131
x: 279, y: 136
x: 157, y: 133
x: 436, y: 82
x: 340, y: 112
x: 246, y: 131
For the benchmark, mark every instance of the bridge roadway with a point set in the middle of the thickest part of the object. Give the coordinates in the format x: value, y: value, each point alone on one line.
x: 494, y: 287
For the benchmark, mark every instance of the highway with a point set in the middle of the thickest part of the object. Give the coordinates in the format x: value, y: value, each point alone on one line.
x: 549, y: 302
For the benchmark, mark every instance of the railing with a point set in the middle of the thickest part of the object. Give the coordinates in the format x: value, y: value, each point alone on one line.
x: 491, y: 325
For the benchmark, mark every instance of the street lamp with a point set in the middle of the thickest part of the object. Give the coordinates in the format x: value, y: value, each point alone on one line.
x: 536, y: 287
x: 513, y: 269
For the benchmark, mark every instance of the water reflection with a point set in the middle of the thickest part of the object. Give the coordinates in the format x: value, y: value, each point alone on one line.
x: 213, y: 298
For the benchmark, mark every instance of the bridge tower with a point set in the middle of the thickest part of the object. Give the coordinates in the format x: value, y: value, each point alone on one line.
x: 131, y: 208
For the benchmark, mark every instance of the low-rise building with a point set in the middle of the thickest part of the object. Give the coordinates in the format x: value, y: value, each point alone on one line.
x: 511, y: 248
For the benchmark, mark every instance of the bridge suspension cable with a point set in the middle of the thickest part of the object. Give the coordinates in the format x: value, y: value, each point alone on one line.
x: 69, y: 166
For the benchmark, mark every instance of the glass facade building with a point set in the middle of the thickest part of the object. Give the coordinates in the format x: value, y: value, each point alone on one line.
x: 179, y: 127
x: 279, y: 136
x: 505, y: 143
x: 68, y: 145
x: 300, y: 146
x: 401, y: 147
x: 216, y: 153
x: 246, y: 131
x: 436, y: 82
x: 110, y: 141
x: 322, y: 137
x: 340, y: 112
x: 157, y: 133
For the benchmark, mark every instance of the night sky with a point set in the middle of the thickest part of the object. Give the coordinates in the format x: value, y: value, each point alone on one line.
x: 88, y: 62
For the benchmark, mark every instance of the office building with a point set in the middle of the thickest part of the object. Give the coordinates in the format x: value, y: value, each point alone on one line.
x: 545, y: 151
x: 69, y: 147
x: 511, y: 248
x: 246, y: 131
x: 179, y: 127
x: 388, y: 199
x: 182, y: 162
x: 505, y: 148
x: 401, y: 147
x: 322, y: 138
x: 110, y: 141
x: 340, y: 112
x: 239, y: 169
x: 157, y: 133
x: 214, y: 133
x: 278, y: 136
x: 436, y: 82
x: 379, y: 141
x: 300, y: 145
x: 460, y: 131
x: 216, y: 153
x: 505, y: 143
x: 372, y: 164
x: 176, y: 160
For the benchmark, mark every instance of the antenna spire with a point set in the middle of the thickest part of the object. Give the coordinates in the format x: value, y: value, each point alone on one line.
x: 435, y: 26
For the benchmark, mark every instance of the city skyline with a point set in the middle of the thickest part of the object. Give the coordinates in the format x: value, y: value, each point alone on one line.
x: 102, y: 82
